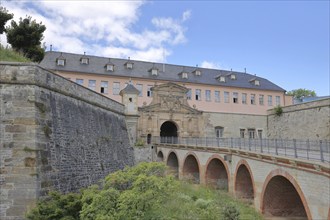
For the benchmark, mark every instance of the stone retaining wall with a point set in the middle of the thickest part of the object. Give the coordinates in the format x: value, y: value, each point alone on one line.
x: 54, y: 135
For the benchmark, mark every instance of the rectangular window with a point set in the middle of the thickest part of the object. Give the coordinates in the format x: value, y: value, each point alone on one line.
x: 219, y: 132
x: 270, y: 100
x: 149, y: 92
x: 140, y: 88
x: 217, y: 96
x: 80, y: 81
x: 92, y: 84
x: 253, y: 99
x: 242, y: 133
x: 251, y: 133
x: 116, y: 88
x: 244, y: 98
x: 104, y: 87
x: 278, y: 100
x: 208, y: 95
x: 235, y: 97
x: 261, y: 99
x: 198, y: 95
x: 260, y: 134
x: 189, y: 94
x: 226, y: 94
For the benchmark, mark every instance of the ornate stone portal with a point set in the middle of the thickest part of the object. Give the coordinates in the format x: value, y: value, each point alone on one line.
x: 169, y: 114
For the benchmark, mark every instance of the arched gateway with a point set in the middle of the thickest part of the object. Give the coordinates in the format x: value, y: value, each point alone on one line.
x: 168, y: 132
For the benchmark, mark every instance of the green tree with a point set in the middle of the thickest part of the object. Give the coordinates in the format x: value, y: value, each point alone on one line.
x: 300, y: 93
x: 26, y: 36
x: 4, y: 17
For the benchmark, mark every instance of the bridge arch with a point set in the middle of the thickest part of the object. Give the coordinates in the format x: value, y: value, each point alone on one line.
x: 160, y: 156
x: 173, y: 163
x: 243, y: 181
x: 217, y: 173
x: 191, y: 168
x: 282, y: 196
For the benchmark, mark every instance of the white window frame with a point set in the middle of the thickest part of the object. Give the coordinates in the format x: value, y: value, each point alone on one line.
x: 60, y: 62
x: 104, y: 87
x: 261, y: 99
x: 84, y: 61
x: 80, y: 81
x: 217, y: 96
x: 226, y: 96
x: 208, y: 95
x: 149, y: 92
x: 278, y: 100
x: 115, y: 88
x: 235, y: 97
x: 219, y: 132
x: 198, y: 94
x: 110, y: 67
x: 189, y: 94
x: 244, y: 98
x: 253, y: 99
x: 270, y: 100
x: 92, y: 84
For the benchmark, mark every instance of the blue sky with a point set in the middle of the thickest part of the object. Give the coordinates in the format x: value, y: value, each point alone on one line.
x: 286, y: 42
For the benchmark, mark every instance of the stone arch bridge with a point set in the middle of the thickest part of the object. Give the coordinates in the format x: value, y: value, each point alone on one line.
x: 279, y: 186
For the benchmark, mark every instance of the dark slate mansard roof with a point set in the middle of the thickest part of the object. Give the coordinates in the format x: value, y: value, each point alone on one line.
x: 141, y: 69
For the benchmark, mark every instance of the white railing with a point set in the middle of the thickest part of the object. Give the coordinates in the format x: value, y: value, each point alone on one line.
x: 316, y: 150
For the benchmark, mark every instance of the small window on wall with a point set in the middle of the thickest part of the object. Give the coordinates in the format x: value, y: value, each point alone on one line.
x: 80, y: 81
x: 260, y: 134
x: 149, y: 92
x: 217, y: 96
x: 252, y: 133
x: 189, y: 94
x: 242, y: 133
x: 235, y: 97
x: 198, y: 95
x: 208, y: 95
x: 140, y: 88
x: 116, y: 88
x: 270, y: 100
x: 104, y: 87
x: 261, y: 99
x: 219, y: 132
x: 226, y: 94
x: 244, y: 97
x: 60, y: 62
x: 278, y: 100
x: 253, y: 99
x: 92, y: 84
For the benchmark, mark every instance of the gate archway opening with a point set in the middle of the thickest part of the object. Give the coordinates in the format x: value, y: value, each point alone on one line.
x: 243, y: 183
x: 216, y: 175
x: 168, y: 132
x: 160, y: 157
x: 173, y: 164
x: 281, y: 199
x: 191, y: 170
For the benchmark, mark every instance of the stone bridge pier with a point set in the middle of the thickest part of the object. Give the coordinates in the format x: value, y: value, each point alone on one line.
x: 279, y: 187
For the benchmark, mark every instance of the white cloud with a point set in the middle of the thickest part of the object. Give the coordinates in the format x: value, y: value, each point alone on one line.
x: 211, y: 65
x: 104, y: 28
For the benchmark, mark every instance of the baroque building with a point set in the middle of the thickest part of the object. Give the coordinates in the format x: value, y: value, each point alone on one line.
x: 165, y: 100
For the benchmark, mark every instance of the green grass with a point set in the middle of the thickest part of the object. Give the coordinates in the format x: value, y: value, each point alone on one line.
x: 7, y: 54
x: 201, y: 198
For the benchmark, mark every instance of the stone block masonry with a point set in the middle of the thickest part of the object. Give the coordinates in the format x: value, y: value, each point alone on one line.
x: 54, y: 135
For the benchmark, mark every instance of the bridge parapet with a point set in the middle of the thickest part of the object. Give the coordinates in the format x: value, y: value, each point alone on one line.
x: 311, y: 150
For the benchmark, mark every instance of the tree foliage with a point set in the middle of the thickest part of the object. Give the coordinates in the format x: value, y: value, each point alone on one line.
x: 141, y: 192
x: 4, y: 17
x: 300, y: 93
x: 26, y: 36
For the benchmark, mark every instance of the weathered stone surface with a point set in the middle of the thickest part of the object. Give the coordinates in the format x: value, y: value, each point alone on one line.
x: 54, y: 135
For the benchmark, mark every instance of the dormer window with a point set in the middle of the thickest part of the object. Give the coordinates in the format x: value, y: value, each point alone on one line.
x: 222, y: 79
x: 60, y: 62
x: 184, y: 75
x: 154, y: 72
x: 110, y: 67
x: 84, y: 60
x: 129, y: 64
x: 198, y: 72
x: 233, y: 76
x: 255, y: 81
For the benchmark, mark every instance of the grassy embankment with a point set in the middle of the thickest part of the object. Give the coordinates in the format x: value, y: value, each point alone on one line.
x: 7, y: 54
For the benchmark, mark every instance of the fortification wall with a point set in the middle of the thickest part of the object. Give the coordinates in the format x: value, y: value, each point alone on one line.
x: 54, y: 135
x: 309, y: 120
